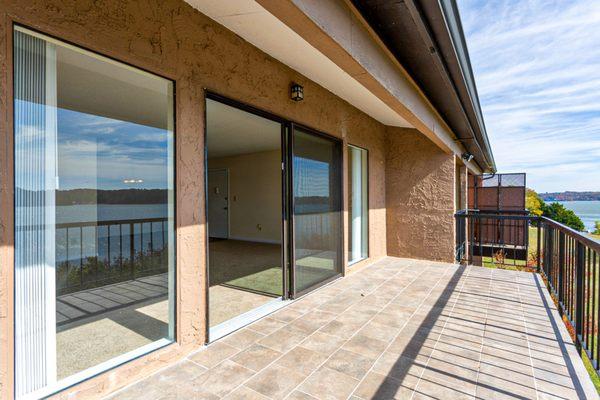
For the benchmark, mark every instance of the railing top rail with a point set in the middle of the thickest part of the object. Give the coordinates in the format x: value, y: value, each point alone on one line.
x: 586, y: 240
x: 110, y: 222
x: 107, y: 222
x: 480, y: 215
x: 589, y: 242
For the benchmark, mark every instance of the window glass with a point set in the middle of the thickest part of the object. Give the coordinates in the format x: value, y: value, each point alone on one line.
x: 317, y: 209
x: 358, y: 204
x: 94, y: 212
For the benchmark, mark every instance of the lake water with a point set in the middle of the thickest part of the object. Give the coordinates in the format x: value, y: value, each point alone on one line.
x: 108, y: 212
x: 588, y: 211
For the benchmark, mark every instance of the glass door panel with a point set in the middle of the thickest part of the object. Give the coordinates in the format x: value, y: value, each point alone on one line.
x: 317, y: 205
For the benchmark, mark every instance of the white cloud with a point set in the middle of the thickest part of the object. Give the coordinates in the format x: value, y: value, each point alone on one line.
x: 537, y: 68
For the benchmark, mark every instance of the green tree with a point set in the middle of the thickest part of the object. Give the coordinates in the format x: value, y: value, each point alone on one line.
x: 597, y: 228
x: 534, y: 203
x: 559, y: 213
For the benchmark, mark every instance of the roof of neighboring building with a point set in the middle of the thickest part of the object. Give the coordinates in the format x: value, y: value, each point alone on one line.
x: 427, y: 39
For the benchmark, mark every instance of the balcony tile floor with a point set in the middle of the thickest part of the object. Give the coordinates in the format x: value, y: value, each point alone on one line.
x: 398, y: 329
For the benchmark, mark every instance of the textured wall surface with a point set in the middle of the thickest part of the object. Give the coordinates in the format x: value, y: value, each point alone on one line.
x: 172, y: 39
x: 419, y: 197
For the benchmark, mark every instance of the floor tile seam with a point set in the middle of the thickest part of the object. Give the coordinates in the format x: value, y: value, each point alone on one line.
x: 467, y: 270
x: 360, y: 381
x: 487, y: 307
x: 535, y: 386
x: 295, y: 346
x: 358, y: 330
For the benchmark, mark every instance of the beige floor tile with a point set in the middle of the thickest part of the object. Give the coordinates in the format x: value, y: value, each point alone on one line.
x: 327, y: 384
x: 275, y: 381
x: 256, y: 357
x: 223, y: 378
x: 302, y: 360
x: 379, y: 331
x: 366, y: 346
x: 245, y: 393
x: 284, y: 339
x: 350, y: 363
x: 213, y: 354
x: 323, y: 343
x: 377, y: 386
x: 298, y: 395
x: 242, y: 338
x: 267, y: 325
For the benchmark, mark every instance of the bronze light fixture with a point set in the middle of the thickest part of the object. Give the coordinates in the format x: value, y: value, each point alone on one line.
x: 297, y: 92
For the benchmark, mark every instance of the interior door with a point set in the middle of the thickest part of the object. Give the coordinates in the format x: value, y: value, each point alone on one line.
x: 218, y: 204
x: 316, y: 192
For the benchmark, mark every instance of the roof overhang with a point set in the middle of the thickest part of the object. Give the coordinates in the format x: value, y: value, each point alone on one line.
x: 427, y: 39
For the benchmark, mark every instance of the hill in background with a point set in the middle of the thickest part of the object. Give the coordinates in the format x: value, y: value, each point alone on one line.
x: 570, y: 196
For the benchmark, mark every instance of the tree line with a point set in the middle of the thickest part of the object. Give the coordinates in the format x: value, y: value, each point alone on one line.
x: 556, y: 211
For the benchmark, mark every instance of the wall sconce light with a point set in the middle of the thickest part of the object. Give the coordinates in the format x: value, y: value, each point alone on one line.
x: 467, y: 157
x: 297, y: 92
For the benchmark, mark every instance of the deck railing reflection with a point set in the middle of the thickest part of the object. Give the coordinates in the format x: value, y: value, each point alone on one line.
x: 98, y: 253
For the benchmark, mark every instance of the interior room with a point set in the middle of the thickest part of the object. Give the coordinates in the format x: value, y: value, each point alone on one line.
x: 244, y: 195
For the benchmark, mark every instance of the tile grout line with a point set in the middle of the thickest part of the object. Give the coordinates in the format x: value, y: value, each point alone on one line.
x: 485, y: 325
x: 303, y: 340
x: 537, y: 394
x: 399, y: 332
x: 468, y: 270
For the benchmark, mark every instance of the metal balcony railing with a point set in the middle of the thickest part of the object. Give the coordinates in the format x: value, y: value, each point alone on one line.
x: 94, y: 254
x: 569, y: 262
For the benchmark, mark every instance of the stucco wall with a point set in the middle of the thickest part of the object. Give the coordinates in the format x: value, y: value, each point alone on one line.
x: 172, y: 39
x: 419, y: 197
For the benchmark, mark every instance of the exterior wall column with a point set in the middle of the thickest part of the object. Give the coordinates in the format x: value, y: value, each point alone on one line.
x: 420, y: 197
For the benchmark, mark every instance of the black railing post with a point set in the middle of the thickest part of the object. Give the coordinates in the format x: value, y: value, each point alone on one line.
x: 539, y: 244
x: 561, y: 267
x: 132, y: 250
x: 549, y: 257
x: 580, y: 271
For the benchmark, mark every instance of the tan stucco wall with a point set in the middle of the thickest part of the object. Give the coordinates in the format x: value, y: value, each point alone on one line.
x: 254, y: 195
x: 420, y: 197
x: 171, y: 39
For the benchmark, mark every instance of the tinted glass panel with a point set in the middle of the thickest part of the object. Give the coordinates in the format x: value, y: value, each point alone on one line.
x: 317, y: 209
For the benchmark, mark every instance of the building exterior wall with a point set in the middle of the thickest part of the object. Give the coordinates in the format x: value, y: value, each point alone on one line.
x: 171, y: 39
x: 419, y: 189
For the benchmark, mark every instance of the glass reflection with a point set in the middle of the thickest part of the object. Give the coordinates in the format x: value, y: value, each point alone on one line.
x: 317, y: 209
x: 94, y: 211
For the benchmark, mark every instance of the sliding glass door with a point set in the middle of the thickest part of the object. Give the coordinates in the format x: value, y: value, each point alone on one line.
x: 317, y: 209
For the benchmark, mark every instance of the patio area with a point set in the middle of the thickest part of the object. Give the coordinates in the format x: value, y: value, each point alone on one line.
x: 398, y: 329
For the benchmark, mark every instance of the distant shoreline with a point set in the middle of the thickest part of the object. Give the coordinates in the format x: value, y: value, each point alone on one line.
x: 570, y: 196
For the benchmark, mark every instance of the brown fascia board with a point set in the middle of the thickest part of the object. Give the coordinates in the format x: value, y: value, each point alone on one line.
x: 418, y: 34
x: 303, y: 25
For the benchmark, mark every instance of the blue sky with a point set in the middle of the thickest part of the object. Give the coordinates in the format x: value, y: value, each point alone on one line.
x: 537, y: 68
x: 101, y: 153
